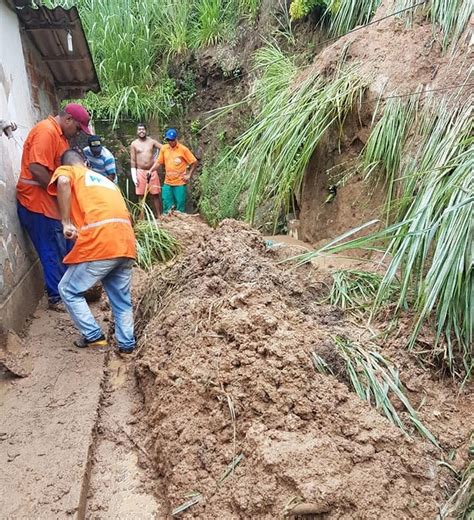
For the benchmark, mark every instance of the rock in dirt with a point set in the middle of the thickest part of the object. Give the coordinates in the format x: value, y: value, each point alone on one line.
x: 14, y: 356
x: 225, y: 370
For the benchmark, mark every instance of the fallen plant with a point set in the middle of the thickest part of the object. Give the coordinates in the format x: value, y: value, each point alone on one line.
x: 357, y: 290
x: 375, y: 380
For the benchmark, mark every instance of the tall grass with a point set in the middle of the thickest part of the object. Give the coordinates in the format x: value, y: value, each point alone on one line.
x: 383, y: 151
x: 430, y: 246
x: 131, y: 41
x: 347, y: 14
x: 291, y: 119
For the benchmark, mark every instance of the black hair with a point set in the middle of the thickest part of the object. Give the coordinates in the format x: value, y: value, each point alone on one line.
x: 71, y: 156
x: 143, y: 125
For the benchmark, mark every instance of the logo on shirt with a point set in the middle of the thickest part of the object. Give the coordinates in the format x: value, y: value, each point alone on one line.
x: 96, y: 179
x: 178, y: 160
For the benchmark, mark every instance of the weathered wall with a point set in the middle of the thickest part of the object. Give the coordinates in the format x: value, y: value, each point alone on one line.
x: 26, y: 96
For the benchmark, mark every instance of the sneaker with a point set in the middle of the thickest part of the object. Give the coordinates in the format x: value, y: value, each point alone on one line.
x: 126, y: 350
x: 99, y: 342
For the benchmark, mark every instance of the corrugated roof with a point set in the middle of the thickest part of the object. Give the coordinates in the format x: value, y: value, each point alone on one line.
x: 74, y: 72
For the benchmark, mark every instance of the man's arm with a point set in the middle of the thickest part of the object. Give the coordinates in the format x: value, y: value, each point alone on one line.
x: 133, y: 163
x: 190, y: 173
x: 40, y: 174
x: 157, y: 144
x: 110, y: 168
x: 64, y: 203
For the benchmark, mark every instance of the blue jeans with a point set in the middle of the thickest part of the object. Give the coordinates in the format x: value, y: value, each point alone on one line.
x: 47, y: 237
x: 116, y: 275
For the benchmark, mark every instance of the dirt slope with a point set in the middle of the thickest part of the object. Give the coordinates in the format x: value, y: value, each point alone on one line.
x: 225, y: 370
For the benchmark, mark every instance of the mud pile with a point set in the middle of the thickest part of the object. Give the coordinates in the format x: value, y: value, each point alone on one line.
x: 226, y: 375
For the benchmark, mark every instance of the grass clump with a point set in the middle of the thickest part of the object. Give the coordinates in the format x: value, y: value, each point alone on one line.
x: 154, y: 244
x: 220, y: 189
x: 357, y: 290
x: 375, y: 380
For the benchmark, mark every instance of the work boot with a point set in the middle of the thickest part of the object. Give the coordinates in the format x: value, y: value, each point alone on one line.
x: 56, y: 305
x: 125, y: 350
x: 99, y: 342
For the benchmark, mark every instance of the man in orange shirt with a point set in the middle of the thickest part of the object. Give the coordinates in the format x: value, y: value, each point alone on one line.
x: 176, y: 158
x: 95, y: 216
x: 37, y: 210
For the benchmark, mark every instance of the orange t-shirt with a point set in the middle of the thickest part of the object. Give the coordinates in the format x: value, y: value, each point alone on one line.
x: 176, y: 160
x: 100, y: 215
x: 44, y: 145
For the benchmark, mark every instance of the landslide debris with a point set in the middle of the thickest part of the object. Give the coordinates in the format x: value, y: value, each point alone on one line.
x: 236, y: 418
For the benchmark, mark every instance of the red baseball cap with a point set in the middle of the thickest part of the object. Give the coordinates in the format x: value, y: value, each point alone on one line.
x: 79, y: 114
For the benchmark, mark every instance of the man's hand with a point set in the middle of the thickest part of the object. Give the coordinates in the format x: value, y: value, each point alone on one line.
x: 187, y: 177
x: 133, y: 173
x: 111, y: 177
x: 148, y: 176
x: 70, y: 231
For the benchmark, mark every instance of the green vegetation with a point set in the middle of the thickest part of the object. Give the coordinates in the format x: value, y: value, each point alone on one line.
x: 383, y: 151
x: 131, y: 41
x: 375, y: 380
x: 154, y: 244
x: 220, y: 188
x: 291, y: 118
x: 357, y: 290
x: 347, y: 14
x: 430, y: 243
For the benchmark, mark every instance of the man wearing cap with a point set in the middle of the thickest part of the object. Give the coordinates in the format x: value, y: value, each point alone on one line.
x: 37, y: 210
x: 176, y: 158
x: 100, y: 159
x: 95, y: 216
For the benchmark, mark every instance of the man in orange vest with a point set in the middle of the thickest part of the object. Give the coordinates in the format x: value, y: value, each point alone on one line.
x: 94, y: 215
x: 37, y: 210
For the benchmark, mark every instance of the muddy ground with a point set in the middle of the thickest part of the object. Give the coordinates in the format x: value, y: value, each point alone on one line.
x: 237, y: 421
x: 221, y: 412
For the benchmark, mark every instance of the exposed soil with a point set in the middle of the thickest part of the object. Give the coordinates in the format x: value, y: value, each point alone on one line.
x: 225, y: 371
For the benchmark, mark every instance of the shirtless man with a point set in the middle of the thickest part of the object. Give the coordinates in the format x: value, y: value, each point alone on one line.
x: 142, y: 153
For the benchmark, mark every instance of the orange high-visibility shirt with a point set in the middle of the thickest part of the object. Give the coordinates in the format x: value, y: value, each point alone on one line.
x: 44, y: 145
x: 100, y: 215
x: 176, y: 160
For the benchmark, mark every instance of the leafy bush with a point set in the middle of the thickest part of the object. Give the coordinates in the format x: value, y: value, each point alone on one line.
x: 220, y: 186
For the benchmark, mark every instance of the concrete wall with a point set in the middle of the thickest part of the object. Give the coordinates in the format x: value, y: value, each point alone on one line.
x: 26, y: 96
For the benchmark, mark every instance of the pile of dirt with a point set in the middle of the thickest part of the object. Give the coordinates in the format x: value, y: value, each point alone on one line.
x: 226, y: 375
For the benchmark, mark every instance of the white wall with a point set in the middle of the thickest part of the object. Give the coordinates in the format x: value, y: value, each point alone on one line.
x: 17, y: 260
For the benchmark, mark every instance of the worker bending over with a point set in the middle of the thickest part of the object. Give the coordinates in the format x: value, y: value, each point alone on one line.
x: 94, y: 215
x: 176, y: 159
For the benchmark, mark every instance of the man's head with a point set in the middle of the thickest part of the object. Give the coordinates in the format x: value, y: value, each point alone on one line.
x: 95, y: 144
x: 141, y: 131
x: 74, y: 119
x: 171, y: 136
x: 72, y: 157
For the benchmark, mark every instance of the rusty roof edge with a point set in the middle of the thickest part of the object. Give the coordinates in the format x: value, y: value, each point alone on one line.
x: 71, y: 16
